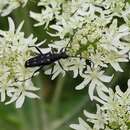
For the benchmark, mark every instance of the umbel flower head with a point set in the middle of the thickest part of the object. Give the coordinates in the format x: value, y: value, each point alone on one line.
x: 96, y: 30
x: 114, y: 114
x: 7, y: 6
x: 14, y: 52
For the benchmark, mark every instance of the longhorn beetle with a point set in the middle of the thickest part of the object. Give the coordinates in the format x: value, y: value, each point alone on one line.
x: 45, y: 59
x: 42, y: 60
x: 48, y: 58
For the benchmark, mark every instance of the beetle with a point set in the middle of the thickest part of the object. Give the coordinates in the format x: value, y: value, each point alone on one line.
x: 45, y: 59
x: 41, y: 60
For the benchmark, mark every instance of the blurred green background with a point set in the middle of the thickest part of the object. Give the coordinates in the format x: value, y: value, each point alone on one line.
x: 60, y: 104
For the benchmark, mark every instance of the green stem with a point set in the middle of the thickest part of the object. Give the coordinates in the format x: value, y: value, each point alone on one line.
x: 44, y: 121
x: 71, y: 114
x: 35, y: 122
x: 57, y: 94
x: 24, y: 123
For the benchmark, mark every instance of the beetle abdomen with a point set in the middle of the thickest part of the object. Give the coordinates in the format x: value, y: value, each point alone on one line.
x: 45, y: 59
x: 37, y: 61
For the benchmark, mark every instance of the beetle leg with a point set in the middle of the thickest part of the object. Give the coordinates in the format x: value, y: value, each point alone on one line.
x: 53, y: 50
x: 37, y: 49
x: 36, y: 71
x: 52, y: 70
x: 61, y: 66
x: 62, y: 50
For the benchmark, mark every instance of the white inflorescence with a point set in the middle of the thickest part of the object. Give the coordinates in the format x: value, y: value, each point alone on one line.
x: 7, y: 6
x: 97, y: 30
x: 14, y: 52
x: 114, y: 114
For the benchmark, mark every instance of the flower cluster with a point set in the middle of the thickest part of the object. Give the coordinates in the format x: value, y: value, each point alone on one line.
x: 95, y: 30
x: 93, y: 33
x: 14, y: 52
x: 7, y: 6
x: 114, y: 114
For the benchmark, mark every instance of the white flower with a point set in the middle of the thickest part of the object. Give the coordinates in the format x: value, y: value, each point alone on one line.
x: 59, y: 45
x: 97, y: 119
x: 114, y: 6
x: 24, y: 89
x: 117, y: 107
x: 14, y: 51
x: 92, y: 27
x: 126, y: 13
x: 112, y: 37
x: 62, y: 28
x: 56, y: 70
x: 114, y: 58
x: 113, y: 114
x: 95, y: 32
x: 81, y: 126
x: 44, y: 18
x: 94, y: 78
x: 7, y: 6
x: 77, y: 66
x: 51, y: 10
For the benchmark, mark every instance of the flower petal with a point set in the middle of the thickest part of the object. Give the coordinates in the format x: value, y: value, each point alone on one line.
x: 31, y: 95
x: 11, y: 25
x: 20, y: 101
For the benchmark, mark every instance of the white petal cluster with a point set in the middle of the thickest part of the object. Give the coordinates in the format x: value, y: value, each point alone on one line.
x: 113, y: 114
x: 7, y: 6
x: 52, y: 9
x: 14, y: 52
x: 94, y: 78
x: 96, y: 30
